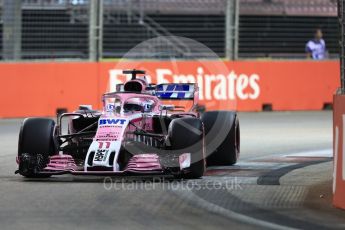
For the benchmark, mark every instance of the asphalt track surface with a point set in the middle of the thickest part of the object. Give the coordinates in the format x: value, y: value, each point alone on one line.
x: 227, y: 197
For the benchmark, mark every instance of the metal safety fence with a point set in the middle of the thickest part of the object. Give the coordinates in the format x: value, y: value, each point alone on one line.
x: 108, y: 29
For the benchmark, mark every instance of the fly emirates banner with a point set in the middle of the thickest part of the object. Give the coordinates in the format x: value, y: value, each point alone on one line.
x: 242, y: 85
x: 40, y: 89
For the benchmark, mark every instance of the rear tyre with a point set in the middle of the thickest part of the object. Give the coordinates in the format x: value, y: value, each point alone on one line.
x: 222, y: 132
x: 186, y: 135
x: 35, y: 145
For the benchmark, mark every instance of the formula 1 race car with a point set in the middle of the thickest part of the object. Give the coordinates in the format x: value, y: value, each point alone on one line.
x: 134, y: 134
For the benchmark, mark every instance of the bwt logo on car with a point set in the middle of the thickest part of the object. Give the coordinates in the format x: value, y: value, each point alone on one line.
x: 218, y: 86
x: 112, y: 121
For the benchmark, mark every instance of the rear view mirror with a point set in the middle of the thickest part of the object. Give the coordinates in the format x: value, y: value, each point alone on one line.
x: 85, y: 107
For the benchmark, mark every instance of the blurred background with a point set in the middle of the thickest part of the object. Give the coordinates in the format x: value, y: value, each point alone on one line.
x: 108, y: 29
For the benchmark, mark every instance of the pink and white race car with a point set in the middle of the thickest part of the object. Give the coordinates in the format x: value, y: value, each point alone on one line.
x: 134, y: 134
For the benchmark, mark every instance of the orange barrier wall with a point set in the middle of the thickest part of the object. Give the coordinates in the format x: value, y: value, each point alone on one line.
x: 38, y: 89
x: 339, y: 151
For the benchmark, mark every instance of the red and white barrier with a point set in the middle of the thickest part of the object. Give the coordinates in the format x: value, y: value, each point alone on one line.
x: 339, y: 151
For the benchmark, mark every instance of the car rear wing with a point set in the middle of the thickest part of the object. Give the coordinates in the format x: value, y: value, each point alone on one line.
x: 171, y: 91
x: 177, y: 91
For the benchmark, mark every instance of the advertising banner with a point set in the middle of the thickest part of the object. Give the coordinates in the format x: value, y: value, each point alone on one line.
x: 39, y: 89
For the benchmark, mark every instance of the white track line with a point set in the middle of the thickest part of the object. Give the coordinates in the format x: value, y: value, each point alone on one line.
x: 316, y: 153
x: 247, y: 219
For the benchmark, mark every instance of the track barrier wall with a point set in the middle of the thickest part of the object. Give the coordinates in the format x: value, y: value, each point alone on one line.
x: 39, y: 89
x: 339, y: 151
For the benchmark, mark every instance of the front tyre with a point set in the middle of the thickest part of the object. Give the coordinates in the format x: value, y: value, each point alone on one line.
x: 186, y: 135
x: 35, y: 145
x: 222, y: 130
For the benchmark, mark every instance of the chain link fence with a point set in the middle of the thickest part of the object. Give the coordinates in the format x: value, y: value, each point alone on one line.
x: 108, y: 29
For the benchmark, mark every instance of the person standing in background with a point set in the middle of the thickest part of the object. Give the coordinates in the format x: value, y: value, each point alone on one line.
x: 316, y: 48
